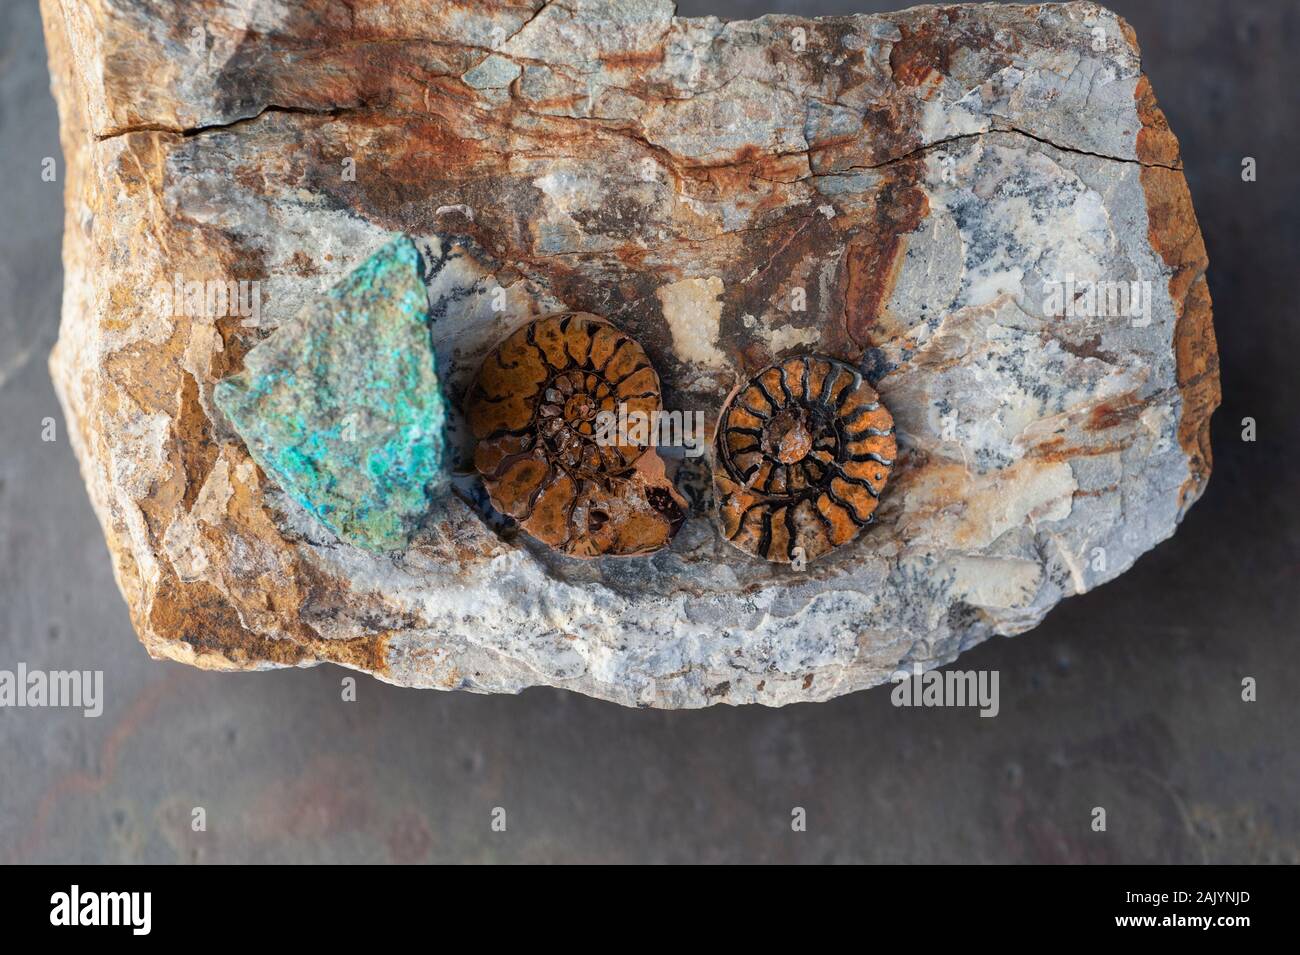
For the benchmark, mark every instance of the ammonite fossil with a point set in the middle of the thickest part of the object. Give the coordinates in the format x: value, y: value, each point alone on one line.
x: 803, y: 451
x: 536, y: 410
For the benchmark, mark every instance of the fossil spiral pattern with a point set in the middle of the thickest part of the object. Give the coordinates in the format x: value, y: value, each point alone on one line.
x: 536, y: 411
x: 803, y: 451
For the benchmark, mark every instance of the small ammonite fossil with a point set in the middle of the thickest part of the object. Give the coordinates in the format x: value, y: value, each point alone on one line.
x: 536, y: 410
x: 803, y: 451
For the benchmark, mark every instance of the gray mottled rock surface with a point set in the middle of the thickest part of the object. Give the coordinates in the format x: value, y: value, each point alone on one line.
x: 933, y: 195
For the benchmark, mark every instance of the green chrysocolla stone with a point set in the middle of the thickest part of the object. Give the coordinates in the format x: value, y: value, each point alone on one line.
x: 342, y: 403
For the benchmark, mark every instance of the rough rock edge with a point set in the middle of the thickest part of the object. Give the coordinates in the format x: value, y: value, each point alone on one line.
x: 1176, y: 236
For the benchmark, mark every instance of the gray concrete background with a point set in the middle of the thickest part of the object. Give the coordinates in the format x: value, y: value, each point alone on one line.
x: 1127, y: 698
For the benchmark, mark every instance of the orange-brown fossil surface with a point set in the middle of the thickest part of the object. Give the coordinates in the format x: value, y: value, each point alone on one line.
x: 804, y: 449
x: 545, y: 410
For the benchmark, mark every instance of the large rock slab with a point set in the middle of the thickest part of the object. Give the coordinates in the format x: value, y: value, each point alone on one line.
x: 981, y: 207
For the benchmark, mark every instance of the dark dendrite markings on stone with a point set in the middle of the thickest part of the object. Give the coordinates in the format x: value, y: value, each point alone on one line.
x: 534, y: 410
x: 803, y: 452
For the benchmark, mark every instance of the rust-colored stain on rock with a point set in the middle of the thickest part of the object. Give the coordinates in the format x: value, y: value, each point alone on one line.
x: 1174, y: 233
x: 538, y: 410
x: 804, y: 449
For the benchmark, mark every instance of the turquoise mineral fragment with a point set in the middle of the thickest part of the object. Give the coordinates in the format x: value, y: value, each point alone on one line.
x: 342, y: 403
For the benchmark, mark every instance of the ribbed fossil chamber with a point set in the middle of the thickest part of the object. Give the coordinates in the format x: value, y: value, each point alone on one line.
x: 803, y: 453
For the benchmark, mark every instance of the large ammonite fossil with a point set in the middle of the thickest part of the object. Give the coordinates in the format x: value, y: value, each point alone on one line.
x: 539, y: 411
x: 803, y: 451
